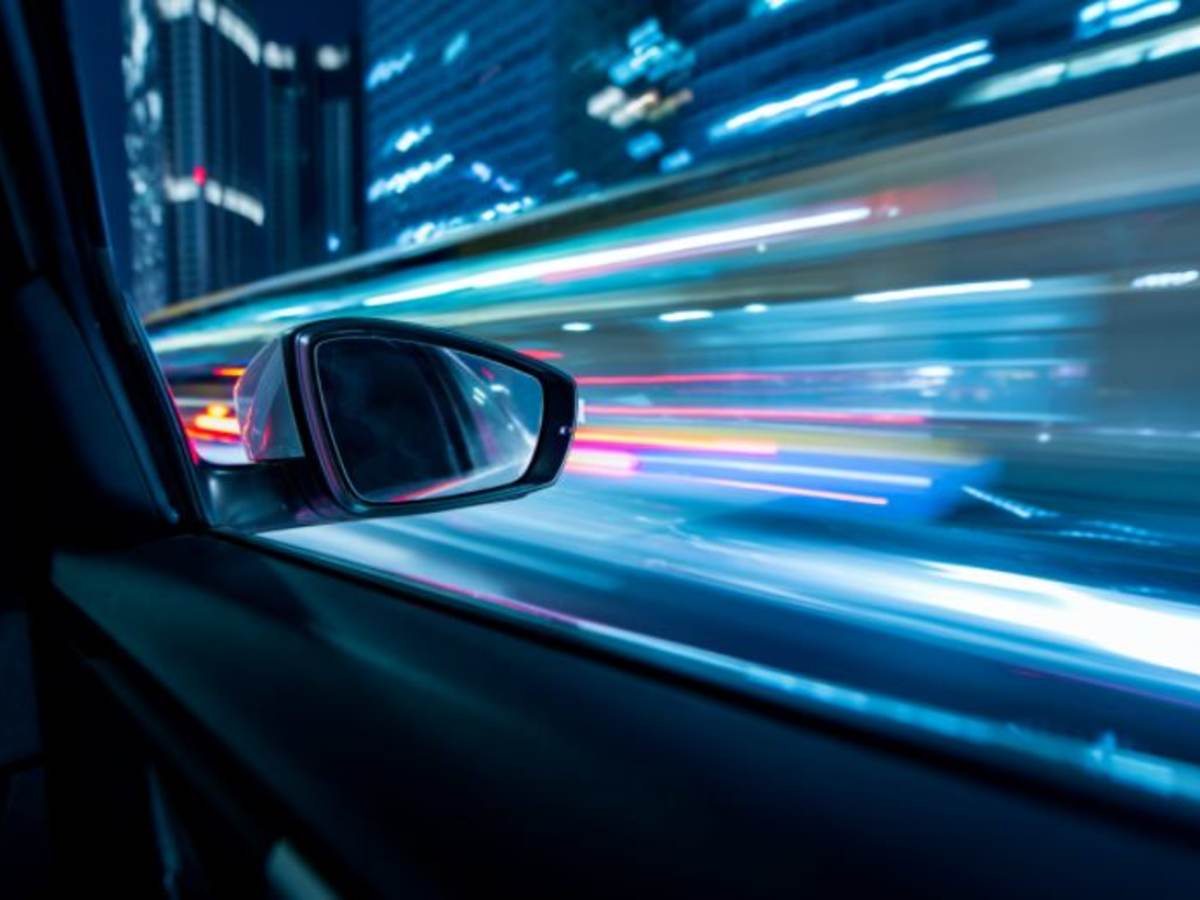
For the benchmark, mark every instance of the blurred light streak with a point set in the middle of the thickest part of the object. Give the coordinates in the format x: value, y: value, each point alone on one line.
x: 229, y: 371
x: 1020, y: 510
x: 1151, y: 11
x: 947, y: 290
x: 770, y: 6
x: 578, y: 468
x: 1047, y: 74
x: 403, y: 179
x: 1165, y: 279
x: 787, y: 107
x: 197, y: 433
x: 781, y: 489
x: 651, y: 250
x: 686, y: 315
x: 754, y: 412
x: 219, y: 425
x: 935, y: 371
x: 1154, y: 632
x: 1179, y: 40
x: 577, y: 326
x: 540, y: 354
x: 921, y: 482
x: 216, y: 423
x: 847, y: 92
x: 682, y: 378
x: 601, y: 462
x: 639, y: 440
x: 388, y: 68
x: 289, y: 312
x: 432, y: 490
x: 936, y: 59
x: 1104, y: 15
x: 675, y: 160
x: 411, y: 137
x: 1111, y: 538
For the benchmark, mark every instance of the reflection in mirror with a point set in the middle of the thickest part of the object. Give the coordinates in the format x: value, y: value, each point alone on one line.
x: 412, y: 421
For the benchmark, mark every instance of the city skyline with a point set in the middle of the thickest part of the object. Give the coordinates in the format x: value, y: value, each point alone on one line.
x: 432, y: 118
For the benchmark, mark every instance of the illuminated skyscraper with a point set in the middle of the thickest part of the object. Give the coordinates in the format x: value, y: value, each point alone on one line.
x: 144, y: 153
x: 195, y: 140
x: 477, y: 112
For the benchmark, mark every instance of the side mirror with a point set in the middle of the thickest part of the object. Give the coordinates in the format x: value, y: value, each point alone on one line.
x: 351, y: 418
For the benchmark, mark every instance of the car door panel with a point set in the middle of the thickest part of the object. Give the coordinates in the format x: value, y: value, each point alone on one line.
x: 419, y: 749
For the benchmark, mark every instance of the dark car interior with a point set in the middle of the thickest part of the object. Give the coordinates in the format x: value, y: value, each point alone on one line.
x: 185, y: 712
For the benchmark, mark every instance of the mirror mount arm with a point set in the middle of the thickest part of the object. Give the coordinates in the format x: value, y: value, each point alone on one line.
x: 257, y: 497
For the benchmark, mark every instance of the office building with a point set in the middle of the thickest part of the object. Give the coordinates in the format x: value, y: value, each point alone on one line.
x: 314, y: 153
x: 477, y: 113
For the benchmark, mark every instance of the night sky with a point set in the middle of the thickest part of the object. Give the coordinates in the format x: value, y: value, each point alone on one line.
x: 96, y: 33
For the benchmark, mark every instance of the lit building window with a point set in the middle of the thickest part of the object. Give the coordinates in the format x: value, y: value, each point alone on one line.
x: 331, y: 58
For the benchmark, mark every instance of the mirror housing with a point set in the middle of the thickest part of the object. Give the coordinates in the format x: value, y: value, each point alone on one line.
x: 350, y: 418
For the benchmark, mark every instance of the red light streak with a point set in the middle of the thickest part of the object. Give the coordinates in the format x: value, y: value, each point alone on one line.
x: 199, y: 174
x: 541, y: 354
x: 212, y: 437
x: 229, y: 371
x: 758, y: 413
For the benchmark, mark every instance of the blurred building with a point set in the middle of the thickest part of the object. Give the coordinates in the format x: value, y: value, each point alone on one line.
x: 244, y: 154
x: 801, y: 81
x: 314, y: 153
x: 194, y: 139
x: 479, y: 111
x: 144, y: 155
x: 476, y: 112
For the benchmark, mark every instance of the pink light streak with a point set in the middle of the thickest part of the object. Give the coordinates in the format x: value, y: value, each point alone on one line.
x: 586, y: 437
x: 432, y: 490
x: 680, y: 378
x: 541, y: 354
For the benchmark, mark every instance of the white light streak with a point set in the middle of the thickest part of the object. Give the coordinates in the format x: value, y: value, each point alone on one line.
x: 1159, y: 280
x: 686, y: 315
x: 947, y: 290
x: 936, y: 59
x: 651, y: 250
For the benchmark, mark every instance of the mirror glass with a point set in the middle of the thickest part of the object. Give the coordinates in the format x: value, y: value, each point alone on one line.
x: 413, y: 421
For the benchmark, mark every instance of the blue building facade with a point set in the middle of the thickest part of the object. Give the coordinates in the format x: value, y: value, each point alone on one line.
x: 475, y: 112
